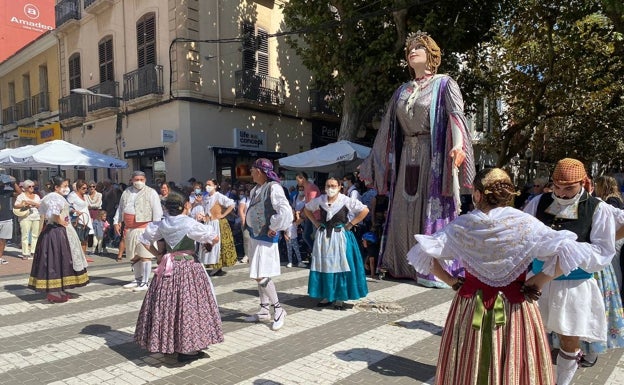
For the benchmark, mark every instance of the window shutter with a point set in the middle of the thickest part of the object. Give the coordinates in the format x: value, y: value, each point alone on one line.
x: 263, y: 53
x: 249, y: 49
x: 146, y: 40
x: 74, y: 72
x: 105, y: 52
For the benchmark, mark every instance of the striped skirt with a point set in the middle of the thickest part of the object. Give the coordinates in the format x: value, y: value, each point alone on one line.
x: 515, y: 352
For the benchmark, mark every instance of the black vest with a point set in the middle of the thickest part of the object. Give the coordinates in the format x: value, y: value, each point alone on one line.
x: 581, y: 226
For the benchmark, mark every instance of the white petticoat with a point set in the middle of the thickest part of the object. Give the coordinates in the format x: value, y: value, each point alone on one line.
x: 212, y: 257
x: 134, y: 247
x: 574, y: 308
x: 264, y: 259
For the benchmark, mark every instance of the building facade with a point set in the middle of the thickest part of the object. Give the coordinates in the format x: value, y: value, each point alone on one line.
x: 181, y: 88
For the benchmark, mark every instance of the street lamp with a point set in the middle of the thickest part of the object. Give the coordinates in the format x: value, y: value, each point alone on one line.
x: 84, y: 91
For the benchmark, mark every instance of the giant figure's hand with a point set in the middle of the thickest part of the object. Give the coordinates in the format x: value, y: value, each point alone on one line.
x: 458, y: 156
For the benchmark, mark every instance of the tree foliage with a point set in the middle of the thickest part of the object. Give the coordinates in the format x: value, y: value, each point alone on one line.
x: 355, y: 48
x: 557, y: 66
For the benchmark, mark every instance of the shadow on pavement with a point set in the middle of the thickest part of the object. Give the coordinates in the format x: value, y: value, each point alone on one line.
x: 392, y: 365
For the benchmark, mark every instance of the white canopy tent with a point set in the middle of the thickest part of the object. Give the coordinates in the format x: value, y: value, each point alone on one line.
x: 57, y: 154
x: 340, y: 157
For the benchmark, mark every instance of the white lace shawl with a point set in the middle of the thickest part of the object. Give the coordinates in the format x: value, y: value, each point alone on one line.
x: 174, y: 228
x: 498, y: 246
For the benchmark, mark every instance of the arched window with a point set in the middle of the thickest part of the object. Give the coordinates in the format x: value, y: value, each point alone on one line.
x: 146, y: 40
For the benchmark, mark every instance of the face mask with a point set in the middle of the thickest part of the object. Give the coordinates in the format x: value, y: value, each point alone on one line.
x: 345, y: 184
x: 301, y: 194
x: 209, y: 189
x: 65, y: 191
x: 198, y: 191
x: 564, y: 201
x: 138, y: 185
x: 331, y: 192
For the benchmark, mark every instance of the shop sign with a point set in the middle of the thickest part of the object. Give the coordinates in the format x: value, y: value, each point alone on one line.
x: 250, y: 140
x: 27, y: 132
x: 49, y: 132
x: 168, y: 136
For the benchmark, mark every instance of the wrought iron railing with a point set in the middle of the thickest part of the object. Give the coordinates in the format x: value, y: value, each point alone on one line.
x: 144, y: 81
x: 66, y: 10
x: 259, y: 88
x: 71, y: 106
x: 40, y: 102
x: 96, y: 102
x: 87, y: 3
x: 23, y: 110
x: 8, y: 115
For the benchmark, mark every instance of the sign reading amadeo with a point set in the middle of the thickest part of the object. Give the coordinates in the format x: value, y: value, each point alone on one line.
x: 22, y: 21
x: 250, y: 140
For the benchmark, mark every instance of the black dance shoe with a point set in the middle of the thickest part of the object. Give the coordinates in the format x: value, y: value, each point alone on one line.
x: 191, y: 357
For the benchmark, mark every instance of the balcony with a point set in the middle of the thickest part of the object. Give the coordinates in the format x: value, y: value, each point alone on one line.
x: 96, y: 7
x: 144, y: 86
x: 320, y: 107
x: 40, y: 102
x: 258, y: 90
x: 99, y: 106
x: 8, y: 115
x: 67, y: 15
x: 23, y: 110
x: 71, y: 110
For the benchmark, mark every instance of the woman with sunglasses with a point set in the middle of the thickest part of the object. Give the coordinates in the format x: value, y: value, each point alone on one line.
x: 28, y: 203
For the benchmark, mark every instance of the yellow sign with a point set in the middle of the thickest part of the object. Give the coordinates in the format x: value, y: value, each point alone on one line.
x: 27, y: 132
x: 49, y: 132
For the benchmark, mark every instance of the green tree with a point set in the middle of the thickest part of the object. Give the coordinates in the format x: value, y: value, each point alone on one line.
x: 355, y: 48
x: 557, y: 66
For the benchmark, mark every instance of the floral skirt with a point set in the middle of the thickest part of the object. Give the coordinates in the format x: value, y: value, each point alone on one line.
x: 179, y: 312
x: 227, y: 256
x: 52, y: 268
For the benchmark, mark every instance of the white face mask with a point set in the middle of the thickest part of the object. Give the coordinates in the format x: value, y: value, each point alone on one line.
x: 209, y: 189
x: 65, y: 191
x: 138, y: 185
x: 564, y: 201
x: 332, y: 192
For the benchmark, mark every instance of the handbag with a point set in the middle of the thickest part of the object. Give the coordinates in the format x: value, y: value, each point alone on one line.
x: 82, y: 231
x: 21, y: 212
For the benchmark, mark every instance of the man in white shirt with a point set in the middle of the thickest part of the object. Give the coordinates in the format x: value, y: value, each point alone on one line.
x: 139, y: 205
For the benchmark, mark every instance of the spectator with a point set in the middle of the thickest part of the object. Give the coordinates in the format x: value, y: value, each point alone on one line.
x: 29, y: 223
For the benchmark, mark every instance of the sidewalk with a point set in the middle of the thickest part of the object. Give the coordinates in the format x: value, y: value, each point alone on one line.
x: 18, y: 266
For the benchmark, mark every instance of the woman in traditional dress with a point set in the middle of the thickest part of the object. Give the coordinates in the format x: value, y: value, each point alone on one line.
x: 59, y: 262
x: 337, y: 270
x: 422, y: 141
x: 179, y: 312
x: 494, y: 332
x: 216, y: 207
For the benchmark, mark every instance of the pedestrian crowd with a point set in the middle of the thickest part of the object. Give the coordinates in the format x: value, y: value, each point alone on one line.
x: 535, y: 272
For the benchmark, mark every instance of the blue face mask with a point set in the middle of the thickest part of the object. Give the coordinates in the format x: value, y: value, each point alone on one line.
x: 198, y: 191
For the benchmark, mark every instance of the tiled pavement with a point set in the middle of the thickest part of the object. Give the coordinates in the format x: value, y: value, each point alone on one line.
x: 391, y: 337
